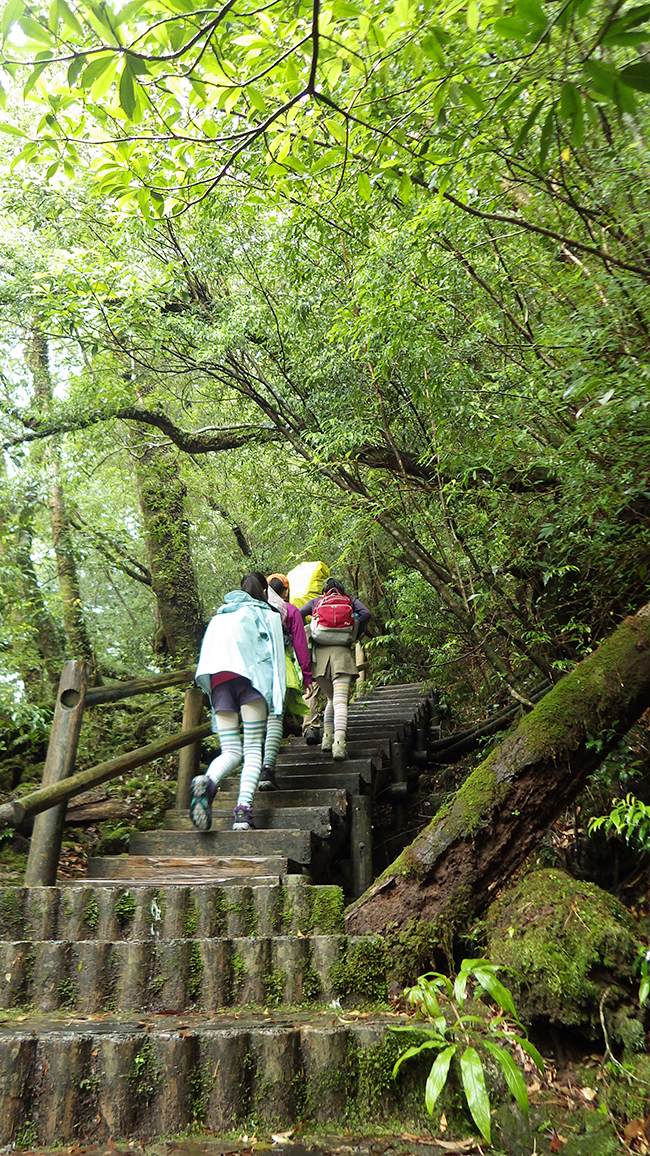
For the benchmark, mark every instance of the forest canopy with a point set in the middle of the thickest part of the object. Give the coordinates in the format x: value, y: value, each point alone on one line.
x: 359, y: 282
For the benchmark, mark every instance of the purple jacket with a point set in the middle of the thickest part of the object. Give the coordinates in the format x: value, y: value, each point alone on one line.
x: 297, y: 628
x: 362, y: 611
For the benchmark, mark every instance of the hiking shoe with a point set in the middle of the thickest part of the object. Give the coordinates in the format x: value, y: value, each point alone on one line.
x: 339, y: 750
x: 243, y: 819
x: 267, y: 780
x: 328, y: 739
x: 312, y: 736
x: 203, y: 792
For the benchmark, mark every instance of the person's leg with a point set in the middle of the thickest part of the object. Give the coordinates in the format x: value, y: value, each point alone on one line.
x: 254, y: 720
x: 271, y: 748
x: 328, y: 717
x: 311, y: 722
x: 204, y: 787
x: 340, y: 697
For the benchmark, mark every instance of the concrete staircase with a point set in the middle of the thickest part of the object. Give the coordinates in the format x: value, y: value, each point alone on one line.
x: 198, y: 981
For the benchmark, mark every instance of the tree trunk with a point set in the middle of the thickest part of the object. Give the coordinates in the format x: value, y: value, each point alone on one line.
x: 493, y: 822
x: 161, y: 496
x: 37, y: 358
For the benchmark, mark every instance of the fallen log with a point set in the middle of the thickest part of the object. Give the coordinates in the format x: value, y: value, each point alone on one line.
x: 478, y: 839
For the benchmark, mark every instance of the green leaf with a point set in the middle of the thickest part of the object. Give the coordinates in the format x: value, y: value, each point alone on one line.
x: 603, y: 78
x: 472, y: 16
x: 644, y: 989
x: 337, y: 130
x: 127, y: 91
x: 97, y: 68
x: 34, y: 30
x: 416, y: 1050
x: 511, y: 28
x: 12, y: 129
x: 256, y: 98
x: 77, y: 66
x: 569, y: 101
x: 545, y: 139
x: 514, y: 1078
x: 364, y: 187
x: 527, y: 125
x: 471, y: 1070
x: 637, y: 76
x: 11, y: 14
x: 68, y: 17
x: 33, y: 78
x: 531, y: 1051
x: 405, y: 188
x: 437, y: 1077
x: 496, y: 989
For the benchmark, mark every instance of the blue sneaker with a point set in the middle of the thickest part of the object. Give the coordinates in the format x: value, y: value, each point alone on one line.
x: 203, y: 792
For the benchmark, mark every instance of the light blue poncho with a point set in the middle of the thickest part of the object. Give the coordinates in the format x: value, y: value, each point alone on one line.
x: 245, y: 637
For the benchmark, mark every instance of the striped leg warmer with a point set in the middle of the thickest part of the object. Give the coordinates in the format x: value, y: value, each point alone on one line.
x: 272, y: 740
x: 231, y: 751
x: 254, y: 719
x: 340, y: 696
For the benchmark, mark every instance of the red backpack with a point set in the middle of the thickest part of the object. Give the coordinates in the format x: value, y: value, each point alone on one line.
x: 333, y: 622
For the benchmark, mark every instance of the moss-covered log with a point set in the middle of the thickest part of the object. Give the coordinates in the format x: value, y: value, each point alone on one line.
x: 484, y: 833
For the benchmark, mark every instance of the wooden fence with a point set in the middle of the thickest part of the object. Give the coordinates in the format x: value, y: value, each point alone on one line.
x: 59, y: 784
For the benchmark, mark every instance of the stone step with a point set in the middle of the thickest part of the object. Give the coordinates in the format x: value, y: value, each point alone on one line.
x: 94, y: 910
x: 323, y: 763
x: 320, y: 780
x: 335, y: 800
x: 185, y: 868
x: 289, y: 843
x: 104, y: 1081
x: 174, y: 975
x: 320, y: 820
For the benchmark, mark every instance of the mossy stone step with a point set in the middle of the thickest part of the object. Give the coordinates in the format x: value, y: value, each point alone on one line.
x: 93, y: 976
x: 92, y: 909
x: 294, y: 844
x: 142, y: 1079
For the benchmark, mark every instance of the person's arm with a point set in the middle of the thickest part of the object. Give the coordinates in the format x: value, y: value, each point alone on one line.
x: 363, y: 613
x: 300, y: 645
x: 307, y: 610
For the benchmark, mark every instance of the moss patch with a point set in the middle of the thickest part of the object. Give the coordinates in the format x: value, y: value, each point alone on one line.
x: 567, y: 942
x: 362, y: 972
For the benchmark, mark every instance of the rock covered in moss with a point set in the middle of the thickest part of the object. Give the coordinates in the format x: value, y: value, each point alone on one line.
x: 569, y: 944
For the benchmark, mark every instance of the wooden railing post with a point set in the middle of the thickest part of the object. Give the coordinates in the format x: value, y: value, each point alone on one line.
x: 188, y: 759
x: 45, y: 846
x: 361, y: 844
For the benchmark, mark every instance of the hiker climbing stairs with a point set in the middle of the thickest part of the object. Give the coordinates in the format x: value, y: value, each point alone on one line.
x: 296, y: 833
x: 198, y: 981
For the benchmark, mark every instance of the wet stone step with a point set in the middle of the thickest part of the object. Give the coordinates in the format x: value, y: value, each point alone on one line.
x: 323, y: 763
x: 321, y: 780
x: 76, y: 912
x: 294, y: 844
x: 320, y: 820
x: 335, y: 800
x: 157, y: 975
x: 300, y: 753
x: 193, y: 868
x: 141, y: 1080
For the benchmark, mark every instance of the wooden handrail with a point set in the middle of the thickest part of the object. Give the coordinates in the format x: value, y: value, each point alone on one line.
x: 13, y: 813
x: 120, y: 690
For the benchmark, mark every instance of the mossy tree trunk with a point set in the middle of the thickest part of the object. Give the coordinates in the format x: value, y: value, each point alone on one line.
x: 161, y: 496
x: 484, y: 833
x: 37, y: 642
x: 79, y: 641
